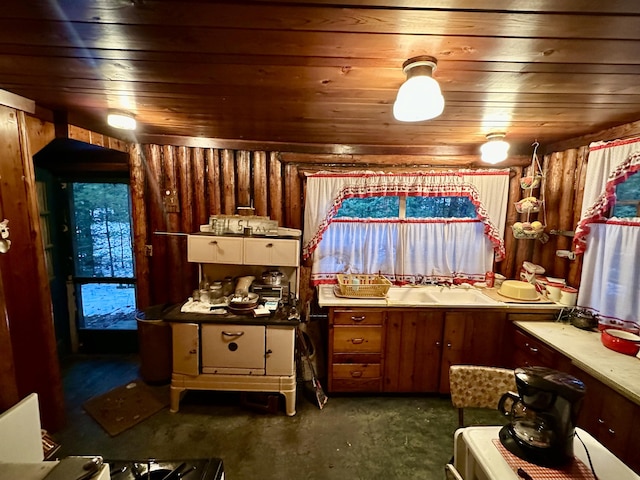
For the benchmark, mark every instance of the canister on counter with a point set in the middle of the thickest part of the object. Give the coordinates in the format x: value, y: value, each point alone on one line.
x: 489, y: 279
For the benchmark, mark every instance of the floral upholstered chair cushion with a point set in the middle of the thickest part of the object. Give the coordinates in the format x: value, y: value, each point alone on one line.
x: 481, y: 387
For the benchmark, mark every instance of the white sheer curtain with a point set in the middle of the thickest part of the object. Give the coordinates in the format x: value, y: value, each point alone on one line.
x: 405, y: 250
x: 610, y: 281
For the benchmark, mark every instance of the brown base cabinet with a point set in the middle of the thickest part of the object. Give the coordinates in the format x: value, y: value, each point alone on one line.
x: 409, y: 350
x: 413, y: 350
x: 605, y: 414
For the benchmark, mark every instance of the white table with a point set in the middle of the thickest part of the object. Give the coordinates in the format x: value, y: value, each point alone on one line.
x: 477, y: 458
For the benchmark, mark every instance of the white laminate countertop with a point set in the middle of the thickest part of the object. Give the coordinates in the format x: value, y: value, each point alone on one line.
x: 326, y: 298
x: 584, y: 348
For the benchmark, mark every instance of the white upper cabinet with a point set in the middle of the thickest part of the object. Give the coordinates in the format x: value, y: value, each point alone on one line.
x: 212, y: 249
x: 276, y: 252
x: 269, y: 251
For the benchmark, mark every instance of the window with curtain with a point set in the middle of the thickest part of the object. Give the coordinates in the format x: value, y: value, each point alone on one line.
x: 610, y: 281
x: 412, y: 228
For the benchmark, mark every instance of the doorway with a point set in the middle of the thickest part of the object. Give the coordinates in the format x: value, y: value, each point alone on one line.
x: 103, y: 280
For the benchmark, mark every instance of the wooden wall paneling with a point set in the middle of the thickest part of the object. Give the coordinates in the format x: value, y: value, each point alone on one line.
x: 229, y: 182
x: 157, y: 223
x: 565, y: 218
x: 553, y: 180
x: 507, y: 267
x: 293, y: 200
x: 29, y: 310
x: 260, y: 183
x: 174, y: 252
x: 243, y: 178
x: 40, y: 133
x: 276, y: 206
x: 184, y: 274
x: 198, y: 189
x: 214, y: 177
x: 9, y: 392
x: 138, y: 180
x: 575, y: 267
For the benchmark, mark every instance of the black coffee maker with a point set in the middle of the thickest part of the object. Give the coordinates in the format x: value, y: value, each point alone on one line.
x: 543, y: 415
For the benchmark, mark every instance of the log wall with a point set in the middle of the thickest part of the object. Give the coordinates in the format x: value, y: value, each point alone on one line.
x: 176, y: 188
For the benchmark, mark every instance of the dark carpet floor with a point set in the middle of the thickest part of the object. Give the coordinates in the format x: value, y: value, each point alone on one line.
x: 353, y: 437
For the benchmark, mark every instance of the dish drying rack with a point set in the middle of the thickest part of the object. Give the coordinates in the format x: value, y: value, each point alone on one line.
x: 363, y: 286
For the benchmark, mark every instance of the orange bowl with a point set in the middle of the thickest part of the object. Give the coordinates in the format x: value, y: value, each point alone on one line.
x: 621, y: 341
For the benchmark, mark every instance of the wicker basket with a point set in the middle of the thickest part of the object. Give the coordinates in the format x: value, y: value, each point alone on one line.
x: 363, y: 285
x: 519, y: 234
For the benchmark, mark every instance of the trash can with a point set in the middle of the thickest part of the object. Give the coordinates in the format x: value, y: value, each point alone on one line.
x: 154, y: 342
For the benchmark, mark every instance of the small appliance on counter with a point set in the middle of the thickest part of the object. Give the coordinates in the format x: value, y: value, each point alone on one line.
x: 273, y: 286
x: 543, y: 416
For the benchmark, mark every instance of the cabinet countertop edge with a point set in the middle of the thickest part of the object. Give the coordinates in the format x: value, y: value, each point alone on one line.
x: 584, y: 348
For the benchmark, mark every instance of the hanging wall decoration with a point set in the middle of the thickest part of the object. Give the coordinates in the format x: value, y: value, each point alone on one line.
x: 5, y: 243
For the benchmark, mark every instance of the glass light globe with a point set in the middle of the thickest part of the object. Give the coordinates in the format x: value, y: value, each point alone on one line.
x: 419, y: 98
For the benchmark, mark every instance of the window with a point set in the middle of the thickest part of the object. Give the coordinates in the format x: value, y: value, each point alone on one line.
x: 416, y: 228
x: 395, y: 207
x: 103, y: 256
x: 627, y: 202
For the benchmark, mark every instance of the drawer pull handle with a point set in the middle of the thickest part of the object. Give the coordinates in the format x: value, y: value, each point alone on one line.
x: 612, y: 431
x: 600, y: 421
x: 213, y: 242
x: 358, y: 319
x: 533, y: 349
x: 232, y: 334
x: 193, y: 351
x: 357, y: 341
x: 269, y: 245
x: 357, y: 374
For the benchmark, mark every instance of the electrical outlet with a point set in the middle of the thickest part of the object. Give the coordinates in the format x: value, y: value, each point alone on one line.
x: 170, y: 200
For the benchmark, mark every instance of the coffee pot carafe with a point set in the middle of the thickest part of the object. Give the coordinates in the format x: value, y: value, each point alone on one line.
x: 543, y: 415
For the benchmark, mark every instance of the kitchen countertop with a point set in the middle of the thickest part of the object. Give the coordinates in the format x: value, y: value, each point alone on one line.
x: 326, y: 298
x: 584, y: 348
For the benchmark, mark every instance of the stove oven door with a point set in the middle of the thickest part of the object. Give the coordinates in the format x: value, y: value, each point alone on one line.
x: 233, y: 349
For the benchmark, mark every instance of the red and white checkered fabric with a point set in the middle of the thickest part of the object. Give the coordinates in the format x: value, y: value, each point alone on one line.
x: 576, y: 470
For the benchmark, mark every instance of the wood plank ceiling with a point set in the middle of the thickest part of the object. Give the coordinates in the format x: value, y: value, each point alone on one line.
x: 318, y: 76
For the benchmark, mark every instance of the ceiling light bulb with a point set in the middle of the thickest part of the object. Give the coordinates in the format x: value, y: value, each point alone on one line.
x: 495, y: 150
x: 122, y: 120
x: 420, y: 97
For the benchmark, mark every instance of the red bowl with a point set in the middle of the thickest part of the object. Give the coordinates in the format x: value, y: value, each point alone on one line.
x: 605, y: 322
x: 621, y: 341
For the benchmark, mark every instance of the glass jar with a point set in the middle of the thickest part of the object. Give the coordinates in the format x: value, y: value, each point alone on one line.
x: 215, y: 291
x: 227, y: 286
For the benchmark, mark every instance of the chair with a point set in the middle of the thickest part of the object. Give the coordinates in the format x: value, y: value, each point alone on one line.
x: 477, y: 386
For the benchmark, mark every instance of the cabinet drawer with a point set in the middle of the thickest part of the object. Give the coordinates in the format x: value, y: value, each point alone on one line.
x: 357, y: 339
x: 356, y: 358
x: 362, y: 385
x: 356, y: 370
x: 269, y: 251
x: 358, y: 317
x: 533, y: 351
x: 212, y: 249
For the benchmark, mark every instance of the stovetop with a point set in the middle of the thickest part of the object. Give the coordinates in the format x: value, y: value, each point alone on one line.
x: 154, y: 469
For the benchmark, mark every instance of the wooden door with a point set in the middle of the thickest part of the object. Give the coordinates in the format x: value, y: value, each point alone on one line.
x: 413, y: 350
x: 472, y: 338
x: 185, y: 348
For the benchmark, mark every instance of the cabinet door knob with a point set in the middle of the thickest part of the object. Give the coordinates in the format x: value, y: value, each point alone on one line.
x: 358, y: 319
x: 193, y: 351
x: 357, y: 341
x: 213, y: 242
x: 357, y: 374
x: 448, y: 345
x: 269, y: 245
x: 438, y: 344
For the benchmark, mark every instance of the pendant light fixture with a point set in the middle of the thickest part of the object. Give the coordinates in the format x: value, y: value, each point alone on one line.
x: 419, y: 97
x: 121, y: 119
x: 495, y: 150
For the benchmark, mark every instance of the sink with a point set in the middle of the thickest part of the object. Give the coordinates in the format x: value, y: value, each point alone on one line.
x: 437, y: 296
x: 462, y: 297
x: 411, y: 296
